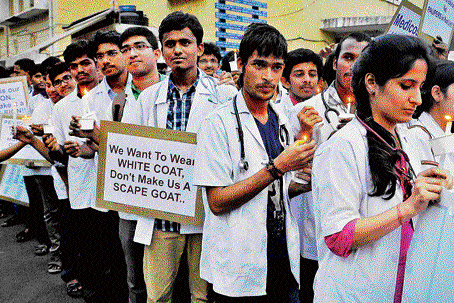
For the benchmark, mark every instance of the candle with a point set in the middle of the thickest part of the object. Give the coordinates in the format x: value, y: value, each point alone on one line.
x: 14, y: 117
x: 302, y: 141
x: 448, y: 125
x: 84, y: 92
x: 349, y: 105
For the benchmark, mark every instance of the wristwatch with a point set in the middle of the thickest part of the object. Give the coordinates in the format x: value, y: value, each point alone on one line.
x: 273, y: 170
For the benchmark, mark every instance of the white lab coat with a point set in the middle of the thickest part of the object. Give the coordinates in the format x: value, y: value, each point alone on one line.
x: 341, y: 182
x: 429, y: 273
x: 234, y: 245
x: 153, y: 112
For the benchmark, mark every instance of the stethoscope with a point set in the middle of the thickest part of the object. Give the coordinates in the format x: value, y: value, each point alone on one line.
x: 328, y: 108
x: 284, y: 137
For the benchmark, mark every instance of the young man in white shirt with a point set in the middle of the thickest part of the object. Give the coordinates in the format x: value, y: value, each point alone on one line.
x: 101, y: 269
x: 250, y: 248
x: 180, y: 102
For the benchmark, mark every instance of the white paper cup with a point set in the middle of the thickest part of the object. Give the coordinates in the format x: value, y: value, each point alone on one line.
x: 86, y: 124
x: 346, y: 116
x: 233, y: 66
x: 48, y: 129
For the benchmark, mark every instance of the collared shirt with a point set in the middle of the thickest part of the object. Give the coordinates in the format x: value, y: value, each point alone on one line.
x: 177, y: 119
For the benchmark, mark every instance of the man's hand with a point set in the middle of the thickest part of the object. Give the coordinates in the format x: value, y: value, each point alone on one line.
x: 328, y: 49
x: 440, y: 49
x: 295, y: 157
x: 37, y: 129
x: 72, y: 148
x: 50, y: 142
x: 226, y: 78
x: 307, y: 117
x: 22, y: 134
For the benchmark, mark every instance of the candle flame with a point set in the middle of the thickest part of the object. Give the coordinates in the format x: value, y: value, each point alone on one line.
x: 302, y: 141
x: 84, y: 91
x: 448, y: 117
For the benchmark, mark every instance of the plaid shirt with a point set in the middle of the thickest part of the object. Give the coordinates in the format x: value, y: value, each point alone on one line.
x: 177, y: 119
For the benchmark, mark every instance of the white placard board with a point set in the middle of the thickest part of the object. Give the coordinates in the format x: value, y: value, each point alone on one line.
x: 13, y: 90
x: 438, y: 19
x: 406, y: 20
x: 27, y: 153
x: 148, y: 171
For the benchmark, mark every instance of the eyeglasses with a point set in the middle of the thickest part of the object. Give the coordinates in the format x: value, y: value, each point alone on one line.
x: 109, y: 53
x: 140, y: 47
x: 205, y: 61
x: 65, y: 78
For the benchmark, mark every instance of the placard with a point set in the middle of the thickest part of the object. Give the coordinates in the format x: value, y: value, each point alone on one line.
x: 14, y: 90
x: 406, y: 20
x: 27, y: 153
x: 148, y: 171
x: 437, y: 20
x: 12, y: 186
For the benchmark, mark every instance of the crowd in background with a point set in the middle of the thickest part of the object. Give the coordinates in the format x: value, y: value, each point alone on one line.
x: 294, y: 201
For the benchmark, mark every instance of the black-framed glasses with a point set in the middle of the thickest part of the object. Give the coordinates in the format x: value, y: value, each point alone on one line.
x: 65, y: 78
x: 109, y: 53
x: 140, y: 47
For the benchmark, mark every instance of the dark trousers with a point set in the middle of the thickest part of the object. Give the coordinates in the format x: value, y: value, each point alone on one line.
x: 102, y: 270
x: 69, y: 246
x: 308, y: 269
x: 35, y: 215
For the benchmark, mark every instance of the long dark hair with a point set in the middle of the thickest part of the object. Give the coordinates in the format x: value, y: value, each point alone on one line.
x: 443, y: 76
x: 387, y: 57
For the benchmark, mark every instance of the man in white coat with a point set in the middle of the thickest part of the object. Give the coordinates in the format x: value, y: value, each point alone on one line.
x: 180, y: 102
x: 250, y: 249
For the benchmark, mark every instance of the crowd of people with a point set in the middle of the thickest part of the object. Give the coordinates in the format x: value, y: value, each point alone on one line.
x: 314, y: 176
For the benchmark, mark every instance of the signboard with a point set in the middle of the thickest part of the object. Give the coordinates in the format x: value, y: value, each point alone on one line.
x: 12, y: 186
x: 13, y: 92
x: 406, y: 20
x: 437, y: 20
x: 148, y: 171
x: 27, y: 153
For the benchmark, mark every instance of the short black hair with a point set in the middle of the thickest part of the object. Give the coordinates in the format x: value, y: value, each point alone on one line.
x: 77, y: 50
x: 178, y: 21
x: 57, y: 69
x: 209, y: 48
x: 35, y: 70
x: 139, y: 31
x: 359, y: 37
x: 302, y: 55
x: 3, y: 72
x: 48, y: 63
x: 25, y: 64
x: 263, y: 38
x: 329, y: 74
x: 99, y: 38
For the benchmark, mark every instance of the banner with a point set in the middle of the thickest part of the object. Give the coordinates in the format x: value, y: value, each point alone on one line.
x: 406, y: 20
x: 438, y: 20
x: 27, y: 153
x: 12, y: 186
x: 13, y: 93
x: 148, y: 171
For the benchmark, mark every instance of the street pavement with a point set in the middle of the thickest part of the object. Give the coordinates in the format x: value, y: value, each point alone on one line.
x: 23, y: 275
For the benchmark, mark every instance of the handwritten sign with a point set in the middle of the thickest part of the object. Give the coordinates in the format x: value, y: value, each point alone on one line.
x: 148, y: 170
x: 27, y: 153
x: 12, y: 186
x: 13, y: 90
x: 438, y: 19
x: 406, y: 20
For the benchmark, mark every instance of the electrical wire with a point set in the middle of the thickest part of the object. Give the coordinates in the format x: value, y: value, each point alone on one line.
x: 294, y: 12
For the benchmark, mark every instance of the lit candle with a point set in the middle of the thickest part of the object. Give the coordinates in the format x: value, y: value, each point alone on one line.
x: 14, y: 117
x: 302, y: 141
x: 448, y: 125
x: 349, y: 105
x: 84, y: 92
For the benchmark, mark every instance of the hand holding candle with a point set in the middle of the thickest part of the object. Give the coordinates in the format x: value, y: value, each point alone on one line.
x: 295, y: 178
x: 448, y: 125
